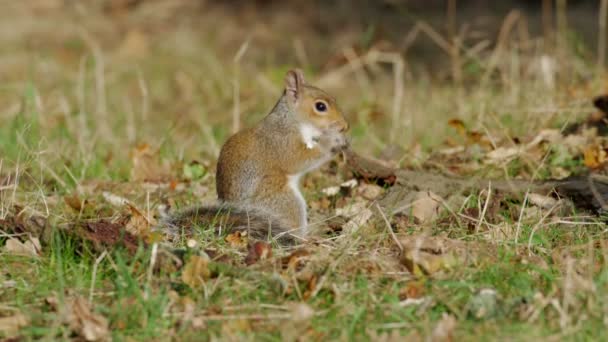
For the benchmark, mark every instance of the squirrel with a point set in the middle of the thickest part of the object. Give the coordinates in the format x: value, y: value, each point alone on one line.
x: 259, y: 168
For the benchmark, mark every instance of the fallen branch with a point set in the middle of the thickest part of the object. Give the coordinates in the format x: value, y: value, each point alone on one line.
x: 588, y: 192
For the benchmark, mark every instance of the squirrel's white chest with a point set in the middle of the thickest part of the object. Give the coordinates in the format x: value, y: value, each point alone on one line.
x: 294, y: 184
x: 310, y: 134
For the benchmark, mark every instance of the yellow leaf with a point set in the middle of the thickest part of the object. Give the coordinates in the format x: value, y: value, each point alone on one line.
x: 594, y: 156
x: 237, y: 239
x: 458, y: 125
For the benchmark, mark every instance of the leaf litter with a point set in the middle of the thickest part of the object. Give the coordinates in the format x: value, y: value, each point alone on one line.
x: 437, y: 232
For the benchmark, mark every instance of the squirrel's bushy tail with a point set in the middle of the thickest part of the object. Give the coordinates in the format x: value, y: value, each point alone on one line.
x: 226, y: 218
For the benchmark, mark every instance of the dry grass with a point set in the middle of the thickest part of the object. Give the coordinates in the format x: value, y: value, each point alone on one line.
x: 96, y: 100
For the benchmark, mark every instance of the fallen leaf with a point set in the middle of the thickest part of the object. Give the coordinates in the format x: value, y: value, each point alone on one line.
x: 31, y: 247
x: 83, y: 321
x: 352, y: 183
x: 138, y: 224
x: 421, y: 263
x: 351, y: 210
x: 553, y: 136
x: 426, y: 206
x: 114, y: 200
x: 426, y: 255
x: 258, y: 251
x: 10, y: 326
x: 503, y: 154
x: 458, y: 125
x: 237, y: 239
x: 75, y: 202
x: 594, y: 156
x: 296, y: 259
x: 331, y: 191
x: 412, y: 290
x: 196, y: 271
x: 369, y: 191
x: 545, y: 202
x: 357, y: 221
x: 345, y: 188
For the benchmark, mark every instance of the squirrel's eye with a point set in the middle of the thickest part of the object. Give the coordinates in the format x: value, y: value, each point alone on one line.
x: 321, y: 106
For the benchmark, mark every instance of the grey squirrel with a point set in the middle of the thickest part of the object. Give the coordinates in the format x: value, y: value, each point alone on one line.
x: 259, y: 168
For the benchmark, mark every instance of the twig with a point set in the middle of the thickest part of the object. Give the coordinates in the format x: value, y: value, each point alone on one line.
x: 485, y: 208
x: 94, y: 276
x: 521, y: 215
x: 153, y: 257
x: 389, y: 228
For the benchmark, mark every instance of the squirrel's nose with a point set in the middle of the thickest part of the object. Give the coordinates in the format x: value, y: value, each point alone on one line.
x: 339, y: 125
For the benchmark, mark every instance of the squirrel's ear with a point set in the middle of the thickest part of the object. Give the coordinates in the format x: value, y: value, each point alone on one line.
x: 294, y: 80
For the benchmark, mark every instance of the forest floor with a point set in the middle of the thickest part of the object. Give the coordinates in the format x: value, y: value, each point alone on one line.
x: 114, y: 111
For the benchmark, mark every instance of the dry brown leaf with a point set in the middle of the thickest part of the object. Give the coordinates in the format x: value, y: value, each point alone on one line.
x: 412, y: 290
x: 138, y: 224
x: 258, y: 251
x: 369, y: 191
x: 196, y: 271
x: 421, y: 263
x: 75, y: 202
x: 237, y: 239
x: 296, y: 259
x: 10, y: 326
x: 426, y: 255
x: 86, y: 323
x: 594, y: 156
x: 426, y: 206
x: 31, y: 247
x: 458, y: 125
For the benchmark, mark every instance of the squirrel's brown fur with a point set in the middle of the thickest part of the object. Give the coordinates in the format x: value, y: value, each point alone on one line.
x: 259, y: 168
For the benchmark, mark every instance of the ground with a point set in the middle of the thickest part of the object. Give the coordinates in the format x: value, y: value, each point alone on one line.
x: 113, y: 112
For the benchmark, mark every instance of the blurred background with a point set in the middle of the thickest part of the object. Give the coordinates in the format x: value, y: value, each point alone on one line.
x: 86, y: 82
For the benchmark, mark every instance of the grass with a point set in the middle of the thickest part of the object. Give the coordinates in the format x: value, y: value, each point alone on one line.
x: 79, y: 101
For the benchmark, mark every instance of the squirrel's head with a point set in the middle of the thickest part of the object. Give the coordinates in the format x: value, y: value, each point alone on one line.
x: 312, y: 105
